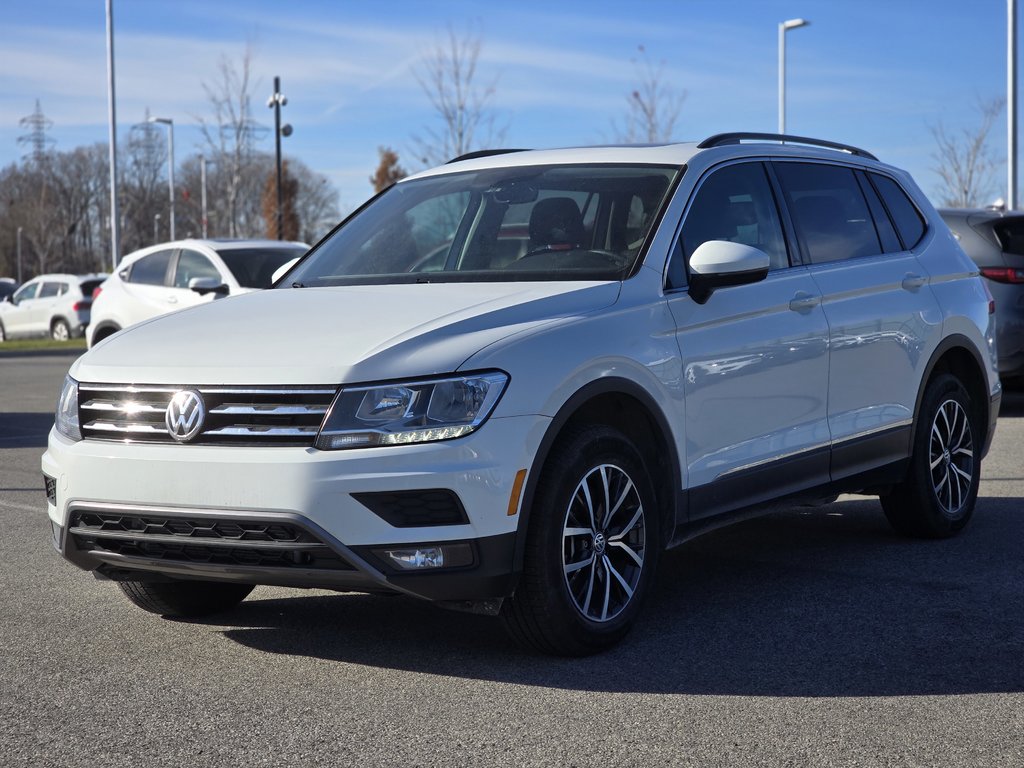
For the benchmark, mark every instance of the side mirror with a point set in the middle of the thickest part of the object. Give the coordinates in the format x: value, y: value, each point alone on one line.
x: 280, y: 271
x: 205, y: 285
x: 9, y: 298
x: 720, y: 263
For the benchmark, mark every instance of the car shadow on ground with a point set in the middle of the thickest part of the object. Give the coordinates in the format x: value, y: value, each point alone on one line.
x: 24, y: 430
x: 1013, y: 403
x: 821, y: 603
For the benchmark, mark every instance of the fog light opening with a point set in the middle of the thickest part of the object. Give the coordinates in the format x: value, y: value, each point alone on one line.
x: 429, y: 556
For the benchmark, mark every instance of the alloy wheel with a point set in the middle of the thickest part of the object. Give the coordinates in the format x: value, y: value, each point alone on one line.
x: 603, y: 543
x: 951, y: 457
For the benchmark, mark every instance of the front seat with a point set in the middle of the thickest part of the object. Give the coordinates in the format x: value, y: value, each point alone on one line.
x: 556, y: 225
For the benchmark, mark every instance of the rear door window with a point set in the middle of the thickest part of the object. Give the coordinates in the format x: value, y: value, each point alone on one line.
x: 151, y: 269
x: 829, y: 211
x: 50, y: 290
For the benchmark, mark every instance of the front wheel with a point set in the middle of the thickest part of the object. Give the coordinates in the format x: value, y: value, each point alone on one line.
x: 591, y: 548
x: 938, y: 495
x: 185, y: 598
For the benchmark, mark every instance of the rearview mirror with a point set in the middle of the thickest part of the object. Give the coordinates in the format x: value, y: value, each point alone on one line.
x: 205, y: 285
x: 720, y: 263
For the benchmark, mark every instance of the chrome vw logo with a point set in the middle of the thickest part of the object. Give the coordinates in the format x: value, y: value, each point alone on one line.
x: 185, y: 415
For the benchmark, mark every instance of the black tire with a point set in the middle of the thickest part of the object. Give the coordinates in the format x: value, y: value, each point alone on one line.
x: 185, y: 598
x: 553, y: 609
x: 937, y: 497
x: 60, y: 330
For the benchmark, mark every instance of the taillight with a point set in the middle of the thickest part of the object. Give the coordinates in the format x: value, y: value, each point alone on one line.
x: 1004, y: 274
x: 96, y: 291
x: 78, y: 306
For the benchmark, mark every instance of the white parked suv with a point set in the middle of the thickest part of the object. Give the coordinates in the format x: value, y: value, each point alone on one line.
x: 171, y: 276
x: 507, y: 384
x: 55, y: 305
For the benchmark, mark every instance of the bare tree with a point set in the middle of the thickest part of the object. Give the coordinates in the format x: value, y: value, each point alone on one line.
x: 289, y: 214
x: 388, y: 170
x: 653, y: 103
x: 230, y: 137
x: 964, y: 161
x: 448, y: 76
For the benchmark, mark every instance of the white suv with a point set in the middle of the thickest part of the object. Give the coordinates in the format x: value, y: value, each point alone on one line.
x: 507, y: 384
x: 55, y: 305
x: 170, y: 276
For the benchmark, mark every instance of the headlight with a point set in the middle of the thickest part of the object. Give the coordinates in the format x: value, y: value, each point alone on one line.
x: 67, y: 410
x: 410, y: 412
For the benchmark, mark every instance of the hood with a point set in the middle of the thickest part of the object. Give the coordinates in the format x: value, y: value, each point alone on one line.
x: 334, y: 335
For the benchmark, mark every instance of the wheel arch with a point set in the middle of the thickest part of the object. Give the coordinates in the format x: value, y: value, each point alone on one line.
x: 626, y: 406
x: 102, y: 330
x: 956, y: 355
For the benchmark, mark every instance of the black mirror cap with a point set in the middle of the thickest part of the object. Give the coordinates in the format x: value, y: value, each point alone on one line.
x: 702, y: 286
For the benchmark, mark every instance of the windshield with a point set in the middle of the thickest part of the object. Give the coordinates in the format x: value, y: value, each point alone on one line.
x: 254, y: 267
x: 523, y: 223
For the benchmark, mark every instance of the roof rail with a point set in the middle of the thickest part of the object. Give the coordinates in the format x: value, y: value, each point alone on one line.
x: 720, y: 139
x: 484, y: 153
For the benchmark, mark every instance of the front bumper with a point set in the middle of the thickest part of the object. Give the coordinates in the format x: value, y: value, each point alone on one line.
x: 196, y: 487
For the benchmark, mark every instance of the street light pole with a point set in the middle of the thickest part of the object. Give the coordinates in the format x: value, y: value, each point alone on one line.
x: 156, y: 227
x: 202, y: 188
x: 170, y: 163
x: 784, y: 27
x: 115, y: 220
x: 1011, y: 105
x: 275, y: 102
x: 19, y: 255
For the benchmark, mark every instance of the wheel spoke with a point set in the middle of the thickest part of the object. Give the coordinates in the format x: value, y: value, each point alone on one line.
x: 628, y: 550
x: 585, y: 485
x: 964, y: 452
x: 609, y: 568
x: 622, y: 534
x: 934, y: 464
x: 590, y: 586
x: 607, y: 496
x: 573, y: 567
x: 607, y: 591
x: 578, y: 532
x: 618, y: 504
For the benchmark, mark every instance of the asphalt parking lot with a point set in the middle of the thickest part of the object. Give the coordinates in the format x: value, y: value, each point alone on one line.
x: 803, y: 638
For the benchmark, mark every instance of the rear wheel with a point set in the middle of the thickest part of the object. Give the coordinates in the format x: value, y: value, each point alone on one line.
x: 591, y: 548
x: 185, y: 598
x: 60, y: 330
x: 938, y: 495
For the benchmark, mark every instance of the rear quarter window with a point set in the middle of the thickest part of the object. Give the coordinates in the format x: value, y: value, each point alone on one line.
x: 909, y: 223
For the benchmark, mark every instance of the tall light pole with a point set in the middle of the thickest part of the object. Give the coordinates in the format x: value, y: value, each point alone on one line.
x: 784, y: 27
x: 275, y: 102
x: 115, y: 219
x: 1011, y: 105
x: 170, y: 163
x: 19, y: 255
x: 202, y: 193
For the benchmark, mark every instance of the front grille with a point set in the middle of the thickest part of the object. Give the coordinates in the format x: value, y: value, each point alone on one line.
x: 192, y: 538
x: 235, y: 415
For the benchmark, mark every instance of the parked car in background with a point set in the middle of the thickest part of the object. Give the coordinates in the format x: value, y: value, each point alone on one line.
x: 994, y: 239
x: 8, y: 285
x: 54, y: 305
x: 181, y: 274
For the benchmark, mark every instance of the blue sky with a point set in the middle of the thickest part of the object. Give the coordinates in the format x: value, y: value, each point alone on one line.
x: 874, y: 74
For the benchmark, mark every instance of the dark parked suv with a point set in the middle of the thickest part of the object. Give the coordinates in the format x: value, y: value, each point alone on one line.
x: 994, y: 239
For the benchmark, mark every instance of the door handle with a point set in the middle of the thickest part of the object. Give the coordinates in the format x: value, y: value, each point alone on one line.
x: 912, y: 282
x: 804, y: 302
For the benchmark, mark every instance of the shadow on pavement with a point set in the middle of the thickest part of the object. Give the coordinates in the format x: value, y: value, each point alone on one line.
x: 24, y: 430
x: 828, y: 603
x: 1013, y: 403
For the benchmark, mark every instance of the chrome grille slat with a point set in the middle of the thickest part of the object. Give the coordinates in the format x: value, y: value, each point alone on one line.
x: 270, y: 409
x: 272, y: 416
